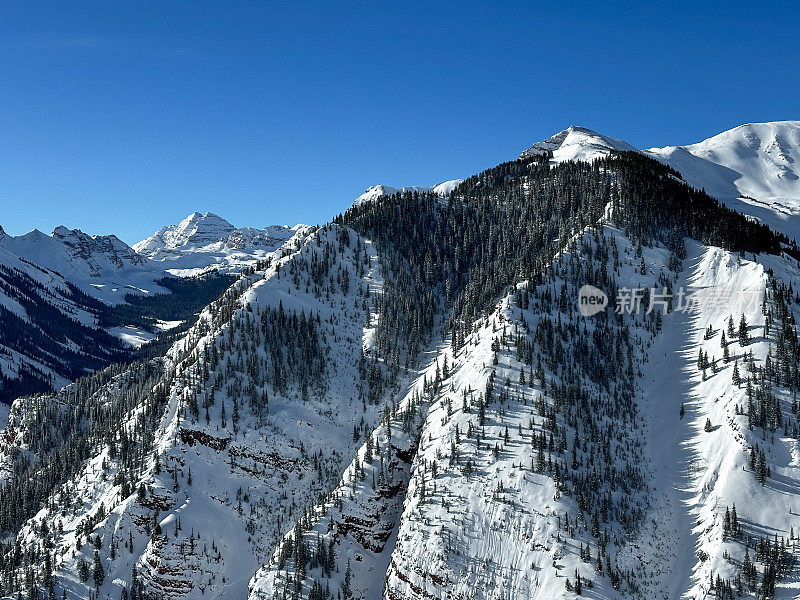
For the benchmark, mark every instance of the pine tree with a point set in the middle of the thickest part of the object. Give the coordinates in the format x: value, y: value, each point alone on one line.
x: 347, y: 592
x: 83, y: 571
x: 726, y: 523
x: 97, y: 570
x: 743, y: 335
x: 761, y: 468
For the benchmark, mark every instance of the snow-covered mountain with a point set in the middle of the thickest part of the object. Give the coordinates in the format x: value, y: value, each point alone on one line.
x: 376, y: 191
x: 753, y: 168
x: 412, y: 403
x: 63, y: 296
x: 54, y: 291
x: 102, y: 266
x: 203, y: 241
x: 237, y: 452
x: 49, y: 333
x: 548, y: 454
x: 576, y: 143
x: 468, y: 503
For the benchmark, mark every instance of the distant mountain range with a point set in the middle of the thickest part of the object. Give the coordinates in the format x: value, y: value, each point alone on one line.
x: 203, y: 241
x: 72, y: 290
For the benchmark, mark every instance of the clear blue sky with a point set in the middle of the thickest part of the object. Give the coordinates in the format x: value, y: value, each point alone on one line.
x: 119, y: 117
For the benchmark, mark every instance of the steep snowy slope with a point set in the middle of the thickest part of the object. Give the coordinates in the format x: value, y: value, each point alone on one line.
x: 493, y: 509
x: 482, y: 516
x: 701, y: 462
x: 257, y: 412
x: 755, y: 167
x: 752, y: 168
x: 549, y: 454
x: 203, y: 241
x: 376, y: 191
x: 101, y: 266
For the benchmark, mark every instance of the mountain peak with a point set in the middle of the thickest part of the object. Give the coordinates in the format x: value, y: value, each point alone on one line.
x: 577, y: 143
x: 203, y: 239
x: 207, y: 219
x: 62, y: 231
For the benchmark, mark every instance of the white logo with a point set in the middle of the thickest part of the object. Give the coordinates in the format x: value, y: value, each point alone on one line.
x: 591, y: 300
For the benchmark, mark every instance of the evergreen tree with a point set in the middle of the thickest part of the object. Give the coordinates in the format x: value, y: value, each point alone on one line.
x: 97, y: 570
x: 744, y: 338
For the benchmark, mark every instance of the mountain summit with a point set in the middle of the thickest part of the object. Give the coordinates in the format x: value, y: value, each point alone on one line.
x: 577, y: 143
x: 205, y: 240
x: 753, y: 168
x: 193, y: 232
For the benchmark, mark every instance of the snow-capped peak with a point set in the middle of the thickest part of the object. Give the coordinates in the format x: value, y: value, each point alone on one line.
x: 577, y: 143
x: 195, y: 231
x: 759, y: 160
x: 443, y: 189
x: 753, y: 168
x: 87, y: 246
x: 74, y: 253
x: 204, y: 240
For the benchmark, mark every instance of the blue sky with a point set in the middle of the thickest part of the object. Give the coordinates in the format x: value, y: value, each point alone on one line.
x: 120, y: 117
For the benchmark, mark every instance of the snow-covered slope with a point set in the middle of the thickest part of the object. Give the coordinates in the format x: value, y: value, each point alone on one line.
x: 376, y: 191
x: 577, y: 143
x: 755, y: 167
x: 48, y: 332
x: 102, y: 266
x: 203, y: 241
x: 457, y: 496
x: 257, y: 412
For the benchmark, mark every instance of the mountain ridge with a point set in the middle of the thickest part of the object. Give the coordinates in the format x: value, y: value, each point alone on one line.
x: 754, y: 167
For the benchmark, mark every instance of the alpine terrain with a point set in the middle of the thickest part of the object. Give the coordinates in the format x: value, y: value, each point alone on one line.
x: 573, y: 374
x: 71, y: 303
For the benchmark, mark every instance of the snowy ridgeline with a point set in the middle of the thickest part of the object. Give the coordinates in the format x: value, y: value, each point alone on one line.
x: 255, y: 415
x: 518, y: 468
x: 753, y: 168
